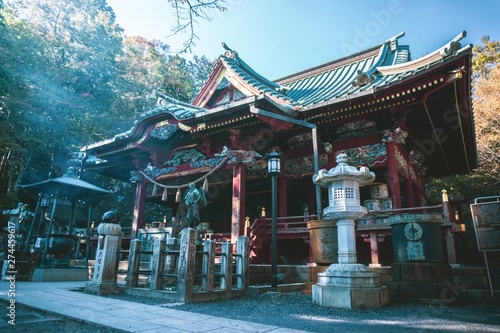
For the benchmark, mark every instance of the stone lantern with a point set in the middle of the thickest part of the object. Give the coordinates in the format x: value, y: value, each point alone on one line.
x: 343, y: 183
x: 346, y: 283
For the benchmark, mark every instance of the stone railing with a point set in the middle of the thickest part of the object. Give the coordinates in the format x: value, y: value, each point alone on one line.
x: 183, y: 270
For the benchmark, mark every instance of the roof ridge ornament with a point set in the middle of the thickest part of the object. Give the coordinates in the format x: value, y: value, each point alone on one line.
x: 164, y: 100
x: 450, y: 48
x: 453, y: 46
x: 393, y: 41
x: 362, y: 79
x: 229, y: 53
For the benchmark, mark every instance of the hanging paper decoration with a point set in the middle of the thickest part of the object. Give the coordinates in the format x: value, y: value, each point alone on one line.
x: 205, y: 185
x: 155, y: 191
x: 178, y: 195
x: 164, y: 195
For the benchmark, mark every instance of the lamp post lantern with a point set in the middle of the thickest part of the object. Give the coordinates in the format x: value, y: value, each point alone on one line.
x: 274, y: 169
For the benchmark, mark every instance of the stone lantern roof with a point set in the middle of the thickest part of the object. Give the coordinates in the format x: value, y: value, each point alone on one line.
x: 343, y: 171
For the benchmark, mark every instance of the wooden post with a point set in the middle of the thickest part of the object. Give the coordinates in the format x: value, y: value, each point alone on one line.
x: 187, y: 255
x: 156, y: 281
x: 238, y: 214
x: 374, y: 249
x: 243, y: 263
x: 282, y: 194
x: 134, y: 261
x: 226, y: 266
x: 208, y: 268
x: 410, y: 196
x: 139, y: 204
x: 393, y: 175
x: 447, y: 228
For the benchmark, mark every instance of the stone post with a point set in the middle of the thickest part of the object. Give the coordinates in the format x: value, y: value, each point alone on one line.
x: 226, y: 266
x: 157, y: 262
x: 346, y: 284
x: 243, y: 263
x: 106, y: 260
x: 208, y: 266
x: 187, y: 255
x: 134, y: 262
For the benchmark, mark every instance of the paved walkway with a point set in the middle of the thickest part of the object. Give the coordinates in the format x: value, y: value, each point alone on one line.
x: 57, y: 297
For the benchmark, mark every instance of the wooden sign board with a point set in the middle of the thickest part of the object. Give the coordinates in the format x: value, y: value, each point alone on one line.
x: 486, y: 220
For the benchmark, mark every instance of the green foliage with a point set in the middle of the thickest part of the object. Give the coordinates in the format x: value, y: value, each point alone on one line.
x: 462, y: 188
x: 485, y: 57
x: 200, y: 69
x: 485, y: 181
x: 487, y: 121
x: 69, y: 77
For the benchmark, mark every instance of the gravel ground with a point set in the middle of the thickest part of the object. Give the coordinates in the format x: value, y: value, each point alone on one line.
x: 295, y: 310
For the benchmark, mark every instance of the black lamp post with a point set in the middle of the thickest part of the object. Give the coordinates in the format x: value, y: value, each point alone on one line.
x: 274, y: 169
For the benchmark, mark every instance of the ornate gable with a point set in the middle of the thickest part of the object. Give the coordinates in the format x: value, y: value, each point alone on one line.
x: 233, y: 80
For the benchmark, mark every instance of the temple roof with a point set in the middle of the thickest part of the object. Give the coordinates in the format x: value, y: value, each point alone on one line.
x: 345, y: 76
x: 378, y: 67
x: 378, y: 80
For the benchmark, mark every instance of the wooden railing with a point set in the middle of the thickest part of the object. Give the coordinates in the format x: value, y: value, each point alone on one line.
x: 289, y: 227
x: 284, y: 225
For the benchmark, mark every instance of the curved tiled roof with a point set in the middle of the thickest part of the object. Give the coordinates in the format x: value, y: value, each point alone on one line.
x: 251, y: 77
x: 336, y: 80
x: 166, y: 105
x: 378, y: 67
x: 371, y: 69
x: 366, y: 72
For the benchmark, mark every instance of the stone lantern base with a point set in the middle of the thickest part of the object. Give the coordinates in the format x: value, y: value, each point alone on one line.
x: 349, y: 286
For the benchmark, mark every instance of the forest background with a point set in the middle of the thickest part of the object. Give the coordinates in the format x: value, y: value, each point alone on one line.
x: 69, y: 77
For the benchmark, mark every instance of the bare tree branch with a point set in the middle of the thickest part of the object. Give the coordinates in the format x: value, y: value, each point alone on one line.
x: 188, y: 13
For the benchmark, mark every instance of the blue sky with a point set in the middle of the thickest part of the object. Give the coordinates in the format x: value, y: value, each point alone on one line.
x: 282, y: 37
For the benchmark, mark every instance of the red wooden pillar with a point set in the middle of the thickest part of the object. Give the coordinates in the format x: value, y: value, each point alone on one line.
x: 282, y: 195
x: 374, y: 254
x: 410, y: 197
x: 238, y: 211
x: 139, y: 204
x: 392, y: 168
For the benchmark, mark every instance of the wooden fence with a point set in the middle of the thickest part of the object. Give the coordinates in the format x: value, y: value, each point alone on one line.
x: 186, y: 270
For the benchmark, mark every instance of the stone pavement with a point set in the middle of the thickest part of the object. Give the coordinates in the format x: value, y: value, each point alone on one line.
x: 58, y: 298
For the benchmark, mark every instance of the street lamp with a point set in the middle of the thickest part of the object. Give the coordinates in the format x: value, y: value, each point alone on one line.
x: 274, y: 169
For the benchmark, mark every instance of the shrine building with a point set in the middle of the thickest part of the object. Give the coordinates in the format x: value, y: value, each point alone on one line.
x: 407, y: 120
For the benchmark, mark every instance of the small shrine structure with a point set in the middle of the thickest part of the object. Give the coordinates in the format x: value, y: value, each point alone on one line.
x: 406, y: 119
x: 60, y: 228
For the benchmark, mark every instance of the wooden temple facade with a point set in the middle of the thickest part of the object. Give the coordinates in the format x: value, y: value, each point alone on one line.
x: 406, y: 119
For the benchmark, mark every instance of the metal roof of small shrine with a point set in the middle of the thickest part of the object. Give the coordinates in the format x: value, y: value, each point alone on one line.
x: 68, y: 185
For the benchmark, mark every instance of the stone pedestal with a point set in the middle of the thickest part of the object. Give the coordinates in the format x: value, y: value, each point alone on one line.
x: 104, y: 279
x: 420, y: 272
x: 349, y: 286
